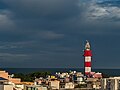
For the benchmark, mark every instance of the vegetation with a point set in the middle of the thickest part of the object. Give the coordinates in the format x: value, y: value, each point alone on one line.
x: 105, y: 75
x: 31, y: 76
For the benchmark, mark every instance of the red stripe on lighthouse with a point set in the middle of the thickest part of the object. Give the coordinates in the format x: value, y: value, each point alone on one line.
x: 87, y: 73
x: 87, y: 53
x: 87, y: 64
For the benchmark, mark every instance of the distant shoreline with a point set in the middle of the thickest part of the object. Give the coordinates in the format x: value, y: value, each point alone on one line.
x: 110, y: 72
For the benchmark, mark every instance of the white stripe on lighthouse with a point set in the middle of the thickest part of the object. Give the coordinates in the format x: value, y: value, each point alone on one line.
x: 87, y: 58
x: 87, y: 69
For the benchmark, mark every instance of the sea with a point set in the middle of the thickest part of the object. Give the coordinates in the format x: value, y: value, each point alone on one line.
x: 109, y: 72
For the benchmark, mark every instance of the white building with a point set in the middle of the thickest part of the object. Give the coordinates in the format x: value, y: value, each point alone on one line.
x: 19, y: 86
x: 112, y: 83
x: 35, y: 87
x: 6, y: 87
x: 54, y: 84
x: 69, y: 85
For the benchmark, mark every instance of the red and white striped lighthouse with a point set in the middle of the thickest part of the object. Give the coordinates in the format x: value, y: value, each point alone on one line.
x: 87, y: 57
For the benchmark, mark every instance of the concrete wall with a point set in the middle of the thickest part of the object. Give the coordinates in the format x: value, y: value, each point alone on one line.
x: 69, y: 85
x: 6, y: 87
x: 54, y: 84
x: 111, y: 83
x: 1, y: 87
x: 19, y: 86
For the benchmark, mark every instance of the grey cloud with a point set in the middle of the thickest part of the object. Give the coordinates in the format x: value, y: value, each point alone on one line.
x: 50, y: 30
x: 32, y: 15
x: 7, y: 47
x: 50, y: 35
x: 14, y: 46
x: 55, y: 9
x: 48, y: 13
x: 11, y: 55
x: 98, y: 13
x: 5, y: 20
x: 99, y: 20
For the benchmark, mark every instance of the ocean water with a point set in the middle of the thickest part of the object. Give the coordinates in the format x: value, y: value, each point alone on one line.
x: 110, y: 72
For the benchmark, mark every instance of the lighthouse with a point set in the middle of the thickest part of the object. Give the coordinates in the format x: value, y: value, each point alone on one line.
x: 87, y: 58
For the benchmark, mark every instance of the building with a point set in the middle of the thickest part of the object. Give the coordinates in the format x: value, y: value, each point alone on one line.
x: 94, y: 83
x: 54, y: 84
x: 35, y: 87
x: 87, y: 59
x: 5, y: 75
x: 6, y: 87
x: 112, y: 83
x: 69, y: 85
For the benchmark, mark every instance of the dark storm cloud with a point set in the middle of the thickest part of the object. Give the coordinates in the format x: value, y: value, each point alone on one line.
x: 33, y: 16
x: 54, y: 9
x: 58, y: 15
x: 5, y: 21
x: 40, y: 31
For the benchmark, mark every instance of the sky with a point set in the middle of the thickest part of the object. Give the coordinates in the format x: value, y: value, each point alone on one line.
x: 52, y: 33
